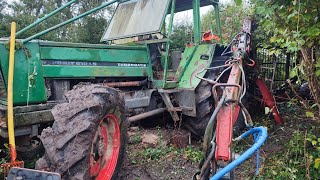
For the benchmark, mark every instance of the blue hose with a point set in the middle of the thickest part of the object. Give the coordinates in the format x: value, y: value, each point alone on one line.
x: 262, y: 136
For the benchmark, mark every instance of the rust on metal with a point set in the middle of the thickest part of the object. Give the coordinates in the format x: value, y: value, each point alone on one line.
x: 125, y: 84
x: 146, y: 114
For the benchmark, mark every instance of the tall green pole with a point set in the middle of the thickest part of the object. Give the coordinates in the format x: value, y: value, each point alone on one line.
x: 196, y: 21
x: 173, y: 7
x: 68, y: 21
x: 45, y: 17
x: 218, y: 25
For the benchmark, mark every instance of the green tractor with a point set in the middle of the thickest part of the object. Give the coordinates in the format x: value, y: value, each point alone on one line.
x: 81, y: 97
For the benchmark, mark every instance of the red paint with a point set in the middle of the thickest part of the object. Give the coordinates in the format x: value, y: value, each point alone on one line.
x: 236, y: 113
x: 226, y: 117
x: 104, y: 167
x: 269, y: 100
x: 253, y: 63
x: 208, y: 37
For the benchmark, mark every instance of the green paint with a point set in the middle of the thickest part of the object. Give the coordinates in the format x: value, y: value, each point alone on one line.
x: 196, y: 21
x: 28, y: 86
x: 34, y: 80
x: 173, y: 5
x: 92, y: 72
x: 218, y: 24
x: 194, y: 64
x: 93, y: 54
x: 187, y: 56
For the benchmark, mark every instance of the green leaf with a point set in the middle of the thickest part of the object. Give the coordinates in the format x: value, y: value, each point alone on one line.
x: 317, y: 163
x: 6, y: 145
x: 314, y: 142
x: 314, y: 105
x: 273, y: 39
x: 238, y: 2
x: 260, y: 10
x: 294, y: 2
x: 266, y: 110
x: 294, y: 72
x: 310, y: 114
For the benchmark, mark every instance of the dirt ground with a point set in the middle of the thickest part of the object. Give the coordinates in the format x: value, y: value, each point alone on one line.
x: 156, y: 162
x: 160, y: 160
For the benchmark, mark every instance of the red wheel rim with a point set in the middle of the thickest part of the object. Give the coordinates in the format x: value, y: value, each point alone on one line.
x: 105, y: 148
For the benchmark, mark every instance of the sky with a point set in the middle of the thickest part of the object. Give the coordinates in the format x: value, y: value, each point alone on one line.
x: 185, y: 14
x: 203, y: 10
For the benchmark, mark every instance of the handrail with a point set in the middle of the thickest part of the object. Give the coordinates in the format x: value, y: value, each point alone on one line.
x: 70, y: 20
x: 45, y: 17
x: 173, y: 7
x: 10, y: 94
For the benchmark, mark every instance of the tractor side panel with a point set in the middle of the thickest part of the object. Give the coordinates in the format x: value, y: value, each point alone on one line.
x: 28, y: 85
x: 89, y: 61
x: 195, y: 60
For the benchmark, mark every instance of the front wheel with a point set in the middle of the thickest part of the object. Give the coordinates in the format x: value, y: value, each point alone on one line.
x: 87, y: 139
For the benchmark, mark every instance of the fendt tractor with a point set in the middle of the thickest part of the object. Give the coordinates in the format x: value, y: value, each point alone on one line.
x: 81, y: 97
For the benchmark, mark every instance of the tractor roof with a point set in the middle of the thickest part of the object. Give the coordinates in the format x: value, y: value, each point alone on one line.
x: 182, y: 5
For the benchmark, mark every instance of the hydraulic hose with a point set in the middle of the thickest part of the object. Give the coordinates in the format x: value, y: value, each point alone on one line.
x: 209, y: 129
x: 262, y: 136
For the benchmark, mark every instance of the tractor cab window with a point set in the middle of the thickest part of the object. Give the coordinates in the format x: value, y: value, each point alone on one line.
x: 136, y: 17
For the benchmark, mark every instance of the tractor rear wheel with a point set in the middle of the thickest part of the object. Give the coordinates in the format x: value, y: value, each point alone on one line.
x: 87, y: 139
x: 205, y: 103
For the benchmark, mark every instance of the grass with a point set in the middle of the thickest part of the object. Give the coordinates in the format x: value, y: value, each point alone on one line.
x: 163, y: 150
x: 291, y: 151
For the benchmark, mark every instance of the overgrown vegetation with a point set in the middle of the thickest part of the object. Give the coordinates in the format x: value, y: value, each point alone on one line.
x: 231, y: 18
x: 294, y: 25
x: 298, y: 160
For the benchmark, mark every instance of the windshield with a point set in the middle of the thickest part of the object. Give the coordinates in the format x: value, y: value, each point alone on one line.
x: 136, y: 17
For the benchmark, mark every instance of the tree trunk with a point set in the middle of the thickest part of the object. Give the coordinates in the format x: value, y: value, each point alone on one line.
x: 309, y: 69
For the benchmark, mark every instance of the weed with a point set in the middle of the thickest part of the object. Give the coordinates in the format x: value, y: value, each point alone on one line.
x: 299, y: 161
x: 193, y: 154
x: 136, y: 139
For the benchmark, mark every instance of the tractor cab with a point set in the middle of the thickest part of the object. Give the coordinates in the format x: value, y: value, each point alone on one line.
x: 143, y: 20
x: 150, y: 22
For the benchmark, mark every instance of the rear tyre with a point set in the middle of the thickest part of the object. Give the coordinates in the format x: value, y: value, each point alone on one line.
x: 88, y: 137
x: 205, y: 102
x: 204, y: 105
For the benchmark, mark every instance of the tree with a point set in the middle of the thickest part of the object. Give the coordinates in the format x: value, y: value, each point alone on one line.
x: 231, y: 18
x: 294, y: 25
x: 92, y: 27
x: 25, y: 12
x: 182, y: 34
x: 4, y: 23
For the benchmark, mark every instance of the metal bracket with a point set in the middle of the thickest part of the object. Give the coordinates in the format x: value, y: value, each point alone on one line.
x: 185, y: 99
x: 167, y: 101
